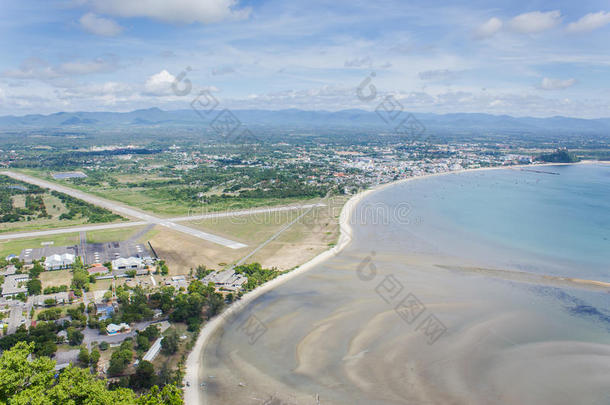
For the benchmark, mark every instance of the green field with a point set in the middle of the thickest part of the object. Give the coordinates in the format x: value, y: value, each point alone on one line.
x: 15, y: 246
x: 153, y: 199
x: 110, y: 235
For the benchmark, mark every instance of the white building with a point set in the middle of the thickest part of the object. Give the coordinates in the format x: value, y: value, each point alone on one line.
x: 227, y: 279
x: 130, y: 263
x: 113, y: 328
x: 14, y: 284
x: 59, y: 298
x: 57, y: 262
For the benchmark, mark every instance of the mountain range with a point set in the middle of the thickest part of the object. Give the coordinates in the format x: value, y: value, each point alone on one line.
x: 347, y: 119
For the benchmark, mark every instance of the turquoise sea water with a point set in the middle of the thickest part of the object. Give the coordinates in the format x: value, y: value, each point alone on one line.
x: 549, y: 223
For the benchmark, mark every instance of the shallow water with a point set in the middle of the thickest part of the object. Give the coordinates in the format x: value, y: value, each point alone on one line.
x: 382, y: 323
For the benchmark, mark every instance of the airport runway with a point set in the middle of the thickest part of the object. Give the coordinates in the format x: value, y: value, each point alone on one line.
x: 142, y: 217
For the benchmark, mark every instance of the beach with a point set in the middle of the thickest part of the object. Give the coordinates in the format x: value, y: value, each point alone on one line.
x: 355, y: 359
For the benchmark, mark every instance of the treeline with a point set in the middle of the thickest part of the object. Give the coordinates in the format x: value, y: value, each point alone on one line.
x: 256, y: 275
x: 26, y: 381
x: 68, y: 160
x: 77, y: 207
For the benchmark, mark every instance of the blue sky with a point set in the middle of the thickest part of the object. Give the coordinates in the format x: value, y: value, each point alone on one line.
x: 521, y: 58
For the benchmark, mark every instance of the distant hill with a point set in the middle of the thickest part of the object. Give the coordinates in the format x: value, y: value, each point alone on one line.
x: 354, y: 119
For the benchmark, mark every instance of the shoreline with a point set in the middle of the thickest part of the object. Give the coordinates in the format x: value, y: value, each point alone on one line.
x: 193, y: 365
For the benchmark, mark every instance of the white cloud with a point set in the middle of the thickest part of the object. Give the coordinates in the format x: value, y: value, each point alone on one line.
x: 590, y: 22
x: 437, y: 75
x: 36, y: 68
x: 496, y: 103
x: 97, y: 65
x: 100, y: 25
x: 175, y: 11
x: 536, y: 21
x: 359, y: 62
x: 556, y: 84
x: 488, y: 28
x: 159, y: 84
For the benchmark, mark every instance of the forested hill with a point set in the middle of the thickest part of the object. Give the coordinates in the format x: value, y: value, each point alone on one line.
x: 155, y: 118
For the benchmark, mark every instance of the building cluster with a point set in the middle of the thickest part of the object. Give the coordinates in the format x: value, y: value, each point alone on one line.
x: 122, y: 256
x: 14, y: 283
x: 226, y: 280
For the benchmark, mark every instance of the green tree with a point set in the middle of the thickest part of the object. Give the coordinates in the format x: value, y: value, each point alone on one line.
x: 144, y: 376
x: 75, y: 337
x: 18, y: 374
x: 169, y: 395
x: 202, y: 271
x: 169, y: 344
x: 143, y: 343
x: 94, y: 357
x: 120, y: 359
x: 34, y: 286
x: 80, y: 276
x: 35, y: 381
x: 36, y: 270
x: 83, y: 356
x: 151, y: 332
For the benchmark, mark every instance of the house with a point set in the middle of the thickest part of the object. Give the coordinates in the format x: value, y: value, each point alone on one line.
x: 130, y: 263
x: 104, y: 311
x: 11, y: 257
x: 228, y: 279
x: 177, y: 282
x: 58, y: 262
x: 10, y: 269
x: 59, y: 298
x: 14, y: 285
x: 113, y: 328
x: 98, y: 270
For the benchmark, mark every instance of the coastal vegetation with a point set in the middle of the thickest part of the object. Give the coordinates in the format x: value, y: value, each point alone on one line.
x: 559, y: 156
x: 256, y: 275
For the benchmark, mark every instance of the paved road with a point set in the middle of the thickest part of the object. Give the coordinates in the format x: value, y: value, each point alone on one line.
x: 86, y: 228
x: 124, y: 210
x: 194, y: 216
x: 15, y: 317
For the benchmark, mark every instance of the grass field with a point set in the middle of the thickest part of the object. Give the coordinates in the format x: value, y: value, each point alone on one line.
x: 110, y: 235
x: 248, y: 229
x: 15, y: 246
x: 19, y: 201
x: 309, y: 236
x: 54, y: 208
x: 147, y: 199
x: 64, y: 311
x: 55, y: 278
